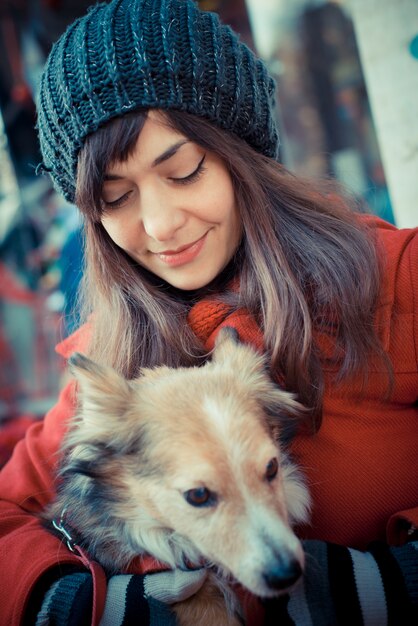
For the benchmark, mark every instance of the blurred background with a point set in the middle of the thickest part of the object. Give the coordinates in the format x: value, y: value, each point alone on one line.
x: 347, y: 74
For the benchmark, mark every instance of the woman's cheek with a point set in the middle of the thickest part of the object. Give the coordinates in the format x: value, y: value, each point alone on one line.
x: 116, y: 231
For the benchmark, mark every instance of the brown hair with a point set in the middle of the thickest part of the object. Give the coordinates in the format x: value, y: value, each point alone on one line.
x: 302, y: 268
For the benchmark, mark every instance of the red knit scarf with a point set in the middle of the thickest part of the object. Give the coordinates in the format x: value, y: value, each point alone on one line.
x: 208, y: 316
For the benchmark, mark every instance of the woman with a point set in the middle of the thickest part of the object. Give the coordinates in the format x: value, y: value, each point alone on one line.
x: 159, y: 124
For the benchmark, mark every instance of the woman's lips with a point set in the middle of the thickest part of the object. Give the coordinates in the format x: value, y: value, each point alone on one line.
x: 184, y: 254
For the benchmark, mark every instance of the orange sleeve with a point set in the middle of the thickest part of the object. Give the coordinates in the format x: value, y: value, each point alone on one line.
x: 27, y: 549
x: 401, y: 524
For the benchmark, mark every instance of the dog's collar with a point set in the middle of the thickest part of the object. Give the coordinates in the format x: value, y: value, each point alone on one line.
x: 68, y: 532
x: 98, y: 575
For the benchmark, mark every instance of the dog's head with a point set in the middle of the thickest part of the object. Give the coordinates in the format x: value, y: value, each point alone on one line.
x: 183, y: 463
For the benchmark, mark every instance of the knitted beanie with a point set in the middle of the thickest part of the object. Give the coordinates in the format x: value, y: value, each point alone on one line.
x: 165, y: 54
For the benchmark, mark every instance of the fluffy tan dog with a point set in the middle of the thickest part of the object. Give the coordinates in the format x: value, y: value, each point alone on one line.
x: 184, y: 464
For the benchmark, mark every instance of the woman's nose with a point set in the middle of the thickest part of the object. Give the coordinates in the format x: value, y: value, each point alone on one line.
x: 161, y: 218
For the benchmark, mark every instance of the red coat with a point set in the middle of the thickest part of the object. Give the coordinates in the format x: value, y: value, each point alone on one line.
x: 361, y: 466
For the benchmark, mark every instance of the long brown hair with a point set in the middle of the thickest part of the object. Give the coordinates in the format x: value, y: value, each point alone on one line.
x: 306, y: 267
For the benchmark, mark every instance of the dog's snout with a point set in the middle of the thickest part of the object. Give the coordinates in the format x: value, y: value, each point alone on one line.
x: 283, y: 574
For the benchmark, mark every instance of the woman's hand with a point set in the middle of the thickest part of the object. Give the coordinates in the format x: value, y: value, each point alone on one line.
x: 147, y: 598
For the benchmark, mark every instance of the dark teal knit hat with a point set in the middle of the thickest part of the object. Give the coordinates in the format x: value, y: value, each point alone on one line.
x: 165, y: 54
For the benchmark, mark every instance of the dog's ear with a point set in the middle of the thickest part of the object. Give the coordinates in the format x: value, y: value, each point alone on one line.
x: 283, y: 413
x: 250, y: 366
x: 238, y: 356
x: 228, y: 334
x: 226, y: 344
x: 101, y: 390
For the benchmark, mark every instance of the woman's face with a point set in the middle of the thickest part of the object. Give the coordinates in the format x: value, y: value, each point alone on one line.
x: 171, y: 207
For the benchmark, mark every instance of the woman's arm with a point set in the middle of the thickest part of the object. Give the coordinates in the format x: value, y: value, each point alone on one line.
x: 341, y: 587
x: 345, y: 587
x: 28, y: 551
x: 130, y: 599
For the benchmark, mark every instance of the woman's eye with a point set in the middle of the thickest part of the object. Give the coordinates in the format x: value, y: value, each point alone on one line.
x: 201, y: 496
x: 114, y: 204
x: 191, y: 178
x: 272, y: 468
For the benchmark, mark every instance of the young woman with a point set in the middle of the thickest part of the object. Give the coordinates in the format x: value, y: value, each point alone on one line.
x: 159, y: 123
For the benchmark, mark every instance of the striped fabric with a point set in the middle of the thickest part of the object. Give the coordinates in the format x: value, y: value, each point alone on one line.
x: 68, y: 602
x: 397, y: 601
x: 127, y: 601
x: 116, y: 600
x: 316, y: 588
x: 407, y: 558
x: 341, y: 587
x: 345, y: 587
x: 370, y: 589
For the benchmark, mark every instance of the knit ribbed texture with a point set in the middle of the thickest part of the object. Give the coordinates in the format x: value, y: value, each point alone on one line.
x: 114, y: 611
x: 340, y: 586
x: 347, y: 587
x: 68, y: 601
x: 315, y: 593
x: 407, y: 558
x: 165, y: 54
x: 370, y: 588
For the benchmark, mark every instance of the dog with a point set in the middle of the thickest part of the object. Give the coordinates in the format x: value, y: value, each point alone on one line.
x: 185, y: 465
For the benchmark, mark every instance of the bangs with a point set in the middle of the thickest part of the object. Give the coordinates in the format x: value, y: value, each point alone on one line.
x: 113, y: 143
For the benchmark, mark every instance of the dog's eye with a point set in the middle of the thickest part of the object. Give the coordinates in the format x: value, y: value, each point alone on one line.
x: 201, y: 496
x: 272, y: 468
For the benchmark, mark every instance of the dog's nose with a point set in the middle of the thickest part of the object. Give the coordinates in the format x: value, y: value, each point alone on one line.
x: 283, y: 574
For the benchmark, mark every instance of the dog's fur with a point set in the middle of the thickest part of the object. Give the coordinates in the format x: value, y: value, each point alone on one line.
x: 137, y: 450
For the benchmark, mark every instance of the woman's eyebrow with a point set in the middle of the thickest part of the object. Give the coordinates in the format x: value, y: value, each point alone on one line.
x: 167, y: 154
x: 171, y: 151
